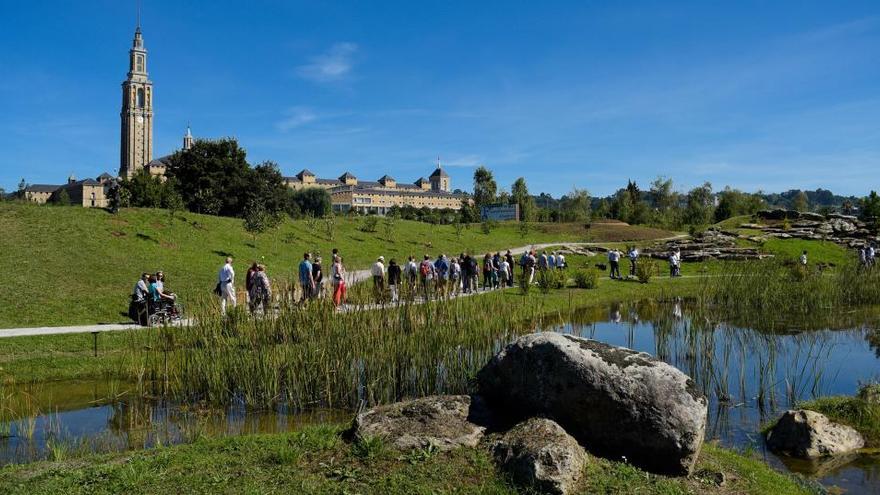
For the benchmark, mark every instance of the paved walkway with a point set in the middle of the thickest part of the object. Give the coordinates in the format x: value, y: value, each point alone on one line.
x: 354, y: 276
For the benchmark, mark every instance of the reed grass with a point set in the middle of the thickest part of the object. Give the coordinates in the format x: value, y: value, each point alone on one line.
x: 310, y: 355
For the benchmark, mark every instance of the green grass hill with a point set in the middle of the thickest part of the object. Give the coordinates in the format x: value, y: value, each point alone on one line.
x: 66, y: 265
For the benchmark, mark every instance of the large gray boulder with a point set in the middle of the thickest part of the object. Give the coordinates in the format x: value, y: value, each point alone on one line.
x: 807, y: 434
x: 615, y: 401
x: 539, y: 454
x: 444, y: 422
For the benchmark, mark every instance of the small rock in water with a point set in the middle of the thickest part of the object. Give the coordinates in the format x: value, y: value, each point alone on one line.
x: 806, y: 434
x: 539, y: 454
x: 443, y: 422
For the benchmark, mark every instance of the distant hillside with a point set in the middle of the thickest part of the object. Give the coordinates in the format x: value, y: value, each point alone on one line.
x: 68, y: 265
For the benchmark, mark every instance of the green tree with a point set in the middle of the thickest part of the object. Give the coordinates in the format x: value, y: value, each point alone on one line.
x: 519, y: 194
x: 213, y: 177
x: 311, y: 201
x: 485, y: 187
x: 870, y: 206
x: 256, y: 218
x: 575, y: 206
x: 468, y: 212
x: 801, y: 202
x: 61, y: 198
x: 21, y: 187
x: 621, y: 206
x: 662, y: 194
x: 700, y: 207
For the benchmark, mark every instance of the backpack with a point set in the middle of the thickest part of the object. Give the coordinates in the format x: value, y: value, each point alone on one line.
x: 424, y: 269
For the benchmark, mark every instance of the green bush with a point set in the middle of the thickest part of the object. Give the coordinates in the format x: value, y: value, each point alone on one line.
x: 551, y: 279
x: 586, y: 279
x: 646, y: 269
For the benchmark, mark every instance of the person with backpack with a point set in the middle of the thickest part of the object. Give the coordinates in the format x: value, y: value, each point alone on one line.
x: 487, y: 271
x: 260, y: 293
x: 426, y: 275
x: 531, y: 261
x: 633, y: 256
x: 465, y: 273
x: 509, y: 258
x: 441, y: 268
x: 318, y: 277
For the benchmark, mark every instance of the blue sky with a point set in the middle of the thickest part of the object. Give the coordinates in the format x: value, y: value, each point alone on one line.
x: 756, y: 95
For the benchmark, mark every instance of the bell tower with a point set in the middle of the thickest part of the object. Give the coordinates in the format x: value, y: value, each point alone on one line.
x: 136, y: 144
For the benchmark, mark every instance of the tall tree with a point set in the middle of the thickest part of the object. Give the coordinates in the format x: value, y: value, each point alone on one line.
x: 870, y: 206
x: 311, y: 201
x: 700, y: 206
x: 484, y: 187
x: 575, y: 206
x: 519, y: 193
x: 212, y: 177
x: 662, y: 194
x: 801, y: 202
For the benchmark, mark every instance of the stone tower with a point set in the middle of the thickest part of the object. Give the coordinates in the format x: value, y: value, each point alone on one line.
x: 136, y: 146
x: 187, y: 139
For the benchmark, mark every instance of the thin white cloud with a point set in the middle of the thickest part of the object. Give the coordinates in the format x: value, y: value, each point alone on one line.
x: 333, y: 65
x: 295, y: 117
x: 466, y: 161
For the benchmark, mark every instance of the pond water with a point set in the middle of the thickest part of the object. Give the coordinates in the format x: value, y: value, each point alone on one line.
x: 749, y: 376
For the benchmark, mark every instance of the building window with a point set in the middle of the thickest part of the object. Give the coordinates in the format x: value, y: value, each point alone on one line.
x: 139, y: 63
x: 140, y: 98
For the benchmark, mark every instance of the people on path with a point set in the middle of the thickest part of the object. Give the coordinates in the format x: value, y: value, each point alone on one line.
x: 337, y: 276
x: 226, y: 285
x: 377, y: 271
x: 504, y: 273
x: 614, y: 262
x: 260, y: 292
x: 560, y: 260
x: 542, y: 261
x: 306, y: 280
x: 441, y: 268
x: 633, y: 256
x: 411, y: 270
x: 531, y: 261
x: 508, y: 257
x: 551, y: 260
x: 394, y: 279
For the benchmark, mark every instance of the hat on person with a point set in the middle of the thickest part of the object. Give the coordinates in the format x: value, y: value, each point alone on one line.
x: 381, y: 258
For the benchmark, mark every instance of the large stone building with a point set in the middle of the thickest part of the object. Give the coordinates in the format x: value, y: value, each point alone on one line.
x: 90, y: 193
x: 347, y: 193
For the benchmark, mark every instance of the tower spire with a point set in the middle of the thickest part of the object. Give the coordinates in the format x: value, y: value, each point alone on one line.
x: 138, y: 15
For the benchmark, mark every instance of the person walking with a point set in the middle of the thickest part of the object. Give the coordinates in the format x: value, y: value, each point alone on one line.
x: 441, y: 268
x: 614, y: 262
x: 803, y: 259
x: 318, y: 278
x: 455, y: 277
x: 411, y: 271
x: 249, y: 280
x: 337, y: 277
x: 542, y: 261
x: 394, y: 278
x: 426, y: 275
x: 633, y: 256
x: 863, y: 257
x: 504, y: 273
x: 487, y: 271
x: 378, y: 273
x: 560, y: 261
x: 465, y: 272
x: 509, y: 258
x: 551, y: 260
x: 870, y: 256
x: 138, y: 310
x: 260, y: 294
x: 226, y: 285
x: 531, y: 261
x: 306, y: 281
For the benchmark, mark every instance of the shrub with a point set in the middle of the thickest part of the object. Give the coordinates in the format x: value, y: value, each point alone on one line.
x: 646, y: 269
x: 551, y: 279
x: 369, y: 224
x: 586, y: 279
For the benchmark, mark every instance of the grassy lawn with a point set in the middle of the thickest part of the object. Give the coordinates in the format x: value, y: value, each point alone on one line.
x: 315, y: 460
x: 66, y: 265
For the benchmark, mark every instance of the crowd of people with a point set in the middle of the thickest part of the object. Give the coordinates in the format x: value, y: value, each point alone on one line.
x: 429, y: 278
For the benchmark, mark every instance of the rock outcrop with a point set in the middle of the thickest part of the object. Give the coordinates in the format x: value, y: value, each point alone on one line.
x: 445, y: 422
x: 539, y: 454
x: 808, y: 434
x: 615, y: 401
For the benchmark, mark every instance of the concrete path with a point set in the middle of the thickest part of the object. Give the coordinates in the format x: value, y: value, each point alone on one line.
x: 353, y: 277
